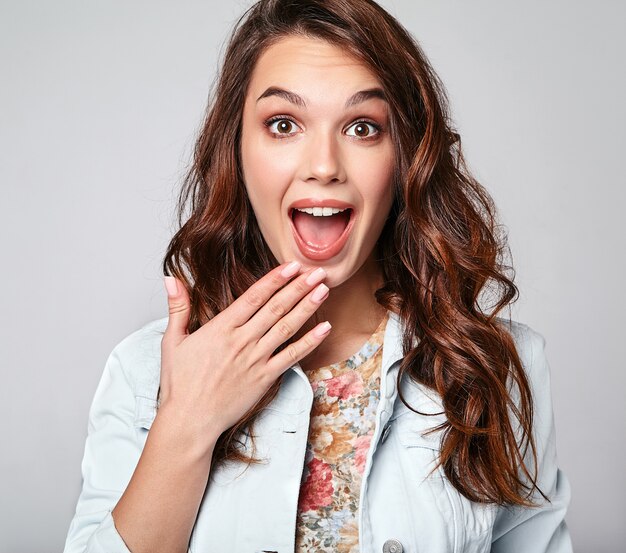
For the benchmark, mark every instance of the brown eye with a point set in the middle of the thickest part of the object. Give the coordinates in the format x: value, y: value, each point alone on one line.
x: 363, y: 129
x: 284, y: 126
x: 281, y: 127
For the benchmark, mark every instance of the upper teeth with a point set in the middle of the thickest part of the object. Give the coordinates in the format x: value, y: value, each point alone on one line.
x: 321, y: 211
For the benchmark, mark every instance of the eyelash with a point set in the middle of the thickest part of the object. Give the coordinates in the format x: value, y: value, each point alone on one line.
x: 278, y: 136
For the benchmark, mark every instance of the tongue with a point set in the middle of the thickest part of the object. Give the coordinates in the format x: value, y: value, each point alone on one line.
x: 320, y: 232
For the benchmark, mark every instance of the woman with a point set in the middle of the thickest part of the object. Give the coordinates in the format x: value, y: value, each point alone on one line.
x: 327, y: 189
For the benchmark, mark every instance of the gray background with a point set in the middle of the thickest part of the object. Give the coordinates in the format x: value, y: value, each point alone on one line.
x: 99, y: 104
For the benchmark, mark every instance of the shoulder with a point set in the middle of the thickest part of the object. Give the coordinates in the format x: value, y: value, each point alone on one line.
x: 529, y: 342
x: 139, y: 357
x: 526, y: 337
x: 142, y: 340
x: 531, y: 348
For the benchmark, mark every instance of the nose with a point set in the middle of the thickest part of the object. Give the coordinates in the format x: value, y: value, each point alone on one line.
x: 322, y: 159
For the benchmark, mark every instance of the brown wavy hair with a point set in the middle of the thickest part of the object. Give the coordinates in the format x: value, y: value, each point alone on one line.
x: 441, y: 249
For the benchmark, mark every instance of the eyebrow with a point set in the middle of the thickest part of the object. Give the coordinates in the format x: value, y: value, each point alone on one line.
x: 356, y: 98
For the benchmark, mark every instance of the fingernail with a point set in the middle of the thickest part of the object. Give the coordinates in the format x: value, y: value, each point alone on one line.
x: 322, y: 329
x: 171, y: 286
x: 315, y: 276
x: 291, y: 269
x: 320, y: 293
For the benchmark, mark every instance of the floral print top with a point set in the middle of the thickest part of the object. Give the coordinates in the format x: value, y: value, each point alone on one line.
x: 342, y: 423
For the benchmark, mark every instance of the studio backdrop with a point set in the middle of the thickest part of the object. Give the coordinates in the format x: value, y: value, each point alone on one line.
x: 99, y: 106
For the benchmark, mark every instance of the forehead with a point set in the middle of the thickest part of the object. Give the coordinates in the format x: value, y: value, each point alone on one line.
x: 311, y: 66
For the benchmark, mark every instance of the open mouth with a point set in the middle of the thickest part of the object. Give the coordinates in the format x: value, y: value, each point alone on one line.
x: 321, y: 236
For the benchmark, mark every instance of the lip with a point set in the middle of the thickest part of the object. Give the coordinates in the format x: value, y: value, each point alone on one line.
x: 316, y: 202
x: 332, y: 250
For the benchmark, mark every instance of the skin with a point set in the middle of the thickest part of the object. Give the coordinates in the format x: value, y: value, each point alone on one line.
x: 323, y: 152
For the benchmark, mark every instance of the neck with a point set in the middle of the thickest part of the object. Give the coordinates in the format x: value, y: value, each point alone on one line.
x: 352, y: 311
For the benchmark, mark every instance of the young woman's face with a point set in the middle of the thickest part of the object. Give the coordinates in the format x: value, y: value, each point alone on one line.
x: 315, y: 134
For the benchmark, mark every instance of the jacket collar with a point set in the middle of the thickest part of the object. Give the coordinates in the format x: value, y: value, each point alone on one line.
x: 296, y: 395
x: 392, y: 346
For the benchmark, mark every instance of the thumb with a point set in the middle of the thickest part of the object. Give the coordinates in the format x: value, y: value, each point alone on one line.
x: 179, y: 307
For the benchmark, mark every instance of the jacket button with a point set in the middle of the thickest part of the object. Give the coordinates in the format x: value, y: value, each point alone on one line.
x: 392, y: 546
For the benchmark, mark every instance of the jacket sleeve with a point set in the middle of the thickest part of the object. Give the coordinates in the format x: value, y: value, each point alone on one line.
x: 112, y: 450
x: 539, y: 529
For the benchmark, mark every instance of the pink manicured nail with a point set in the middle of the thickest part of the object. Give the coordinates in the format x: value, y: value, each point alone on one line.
x: 291, y: 269
x: 320, y: 293
x: 171, y: 286
x: 322, y: 329
x: 315, y: 276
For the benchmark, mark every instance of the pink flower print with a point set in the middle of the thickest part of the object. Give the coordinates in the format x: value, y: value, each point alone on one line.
x: 317, y: 489
x: 361, y: 447
x: 346, y: 385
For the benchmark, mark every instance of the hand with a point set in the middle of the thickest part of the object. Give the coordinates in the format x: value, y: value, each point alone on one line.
x: 214, y: 376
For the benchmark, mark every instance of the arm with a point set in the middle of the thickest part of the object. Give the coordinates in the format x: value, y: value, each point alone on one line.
x: 136, y: 498
x: 146, y: 498
x: 541, y: 529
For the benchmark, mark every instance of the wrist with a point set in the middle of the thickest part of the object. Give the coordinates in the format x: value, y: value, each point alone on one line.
x: 186, y: 429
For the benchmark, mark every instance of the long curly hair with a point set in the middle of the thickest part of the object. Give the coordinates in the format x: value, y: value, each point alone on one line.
x: 442, y: 250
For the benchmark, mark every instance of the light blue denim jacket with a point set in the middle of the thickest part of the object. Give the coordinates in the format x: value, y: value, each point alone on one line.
x: 401, y: 509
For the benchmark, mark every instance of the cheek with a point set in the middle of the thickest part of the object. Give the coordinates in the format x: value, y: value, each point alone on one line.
x: 265, y: 172
x: 376, y: 178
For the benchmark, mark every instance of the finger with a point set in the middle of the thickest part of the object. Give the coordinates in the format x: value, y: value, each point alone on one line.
x: 179, y: 307
x: 286, y: 327
x: 281, y: 304
x: 289, y: 356
x: 255, y: 297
